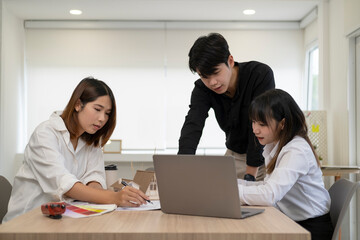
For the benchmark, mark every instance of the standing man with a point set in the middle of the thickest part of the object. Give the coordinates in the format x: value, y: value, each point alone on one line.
x: 228, y: 87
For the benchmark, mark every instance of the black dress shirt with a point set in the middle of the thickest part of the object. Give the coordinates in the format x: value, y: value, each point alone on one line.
x: 231, y: 114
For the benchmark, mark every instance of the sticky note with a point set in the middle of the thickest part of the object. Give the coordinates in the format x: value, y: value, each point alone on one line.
x: 315, y: 128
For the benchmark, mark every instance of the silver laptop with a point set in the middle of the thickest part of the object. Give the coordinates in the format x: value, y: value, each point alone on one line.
x: 199, y: 185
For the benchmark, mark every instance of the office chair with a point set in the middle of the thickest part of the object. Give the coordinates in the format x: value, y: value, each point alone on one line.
x: 5, y: 189
x: 341, y: 193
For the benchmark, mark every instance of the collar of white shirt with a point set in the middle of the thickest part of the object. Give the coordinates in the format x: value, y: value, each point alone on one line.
x: 59, y: 125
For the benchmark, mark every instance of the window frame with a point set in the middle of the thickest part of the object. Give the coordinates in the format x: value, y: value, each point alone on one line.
x: 354, y: 127
x: 308, y: 92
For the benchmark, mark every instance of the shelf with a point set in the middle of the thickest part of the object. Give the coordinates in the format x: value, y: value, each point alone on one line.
x: 117, y: 157
x: 146, y: 156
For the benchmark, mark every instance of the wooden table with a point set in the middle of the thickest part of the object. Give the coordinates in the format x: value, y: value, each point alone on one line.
x: 337, y: 171
x: 271, y: 224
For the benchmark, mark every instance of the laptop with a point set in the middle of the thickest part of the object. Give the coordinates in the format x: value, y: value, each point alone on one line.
x: 199, y: 185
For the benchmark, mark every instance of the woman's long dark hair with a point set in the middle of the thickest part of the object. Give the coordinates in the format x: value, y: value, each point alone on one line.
x: 278, y: 105
x: 88, y: 90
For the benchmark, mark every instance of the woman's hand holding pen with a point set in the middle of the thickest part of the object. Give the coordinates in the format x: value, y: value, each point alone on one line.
x: 127, y: 197
x: 130, y: 197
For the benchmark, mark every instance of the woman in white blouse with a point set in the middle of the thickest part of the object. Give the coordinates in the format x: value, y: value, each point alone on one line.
x: 293, y: 182
x: 64, y: 160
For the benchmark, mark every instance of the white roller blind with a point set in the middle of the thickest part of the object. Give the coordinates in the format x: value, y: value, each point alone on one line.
x: 147, y: 69
x: 130, y: 62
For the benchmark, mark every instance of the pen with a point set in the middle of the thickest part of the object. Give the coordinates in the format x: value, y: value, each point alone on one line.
x: 125, y: 184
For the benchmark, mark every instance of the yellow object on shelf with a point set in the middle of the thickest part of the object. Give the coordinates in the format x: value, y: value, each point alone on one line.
x: 317, y: 131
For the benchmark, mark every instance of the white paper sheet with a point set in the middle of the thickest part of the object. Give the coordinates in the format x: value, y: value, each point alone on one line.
x: 145, y: 207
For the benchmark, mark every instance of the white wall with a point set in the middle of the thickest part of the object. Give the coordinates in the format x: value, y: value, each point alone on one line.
x: 11, y: 91
x: 311, y: 33
x: 338, y: 85
x: 351, y: 16
x: 148, y: 72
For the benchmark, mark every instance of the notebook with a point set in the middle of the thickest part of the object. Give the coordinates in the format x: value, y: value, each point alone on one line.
x: 199, y: 185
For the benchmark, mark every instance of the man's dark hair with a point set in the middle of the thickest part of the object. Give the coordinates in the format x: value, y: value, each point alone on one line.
x: 207, y: 53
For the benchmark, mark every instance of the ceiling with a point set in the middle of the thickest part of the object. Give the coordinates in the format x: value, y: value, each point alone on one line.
x: 162, y: 10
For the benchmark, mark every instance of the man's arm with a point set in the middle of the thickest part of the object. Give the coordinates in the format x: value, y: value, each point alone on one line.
x: 194, y: 121
x: 265, y: 81
x: 254, y: 157
x: 251, y: 170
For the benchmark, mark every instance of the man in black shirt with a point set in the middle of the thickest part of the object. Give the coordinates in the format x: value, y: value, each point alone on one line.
x: 228, y: 87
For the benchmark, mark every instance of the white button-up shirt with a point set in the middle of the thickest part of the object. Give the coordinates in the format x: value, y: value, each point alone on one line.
x: 295, y: 186
x: 51, y: 167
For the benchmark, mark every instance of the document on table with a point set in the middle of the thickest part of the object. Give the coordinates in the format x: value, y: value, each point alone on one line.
x: 84, y: 209
x: 144, y: 207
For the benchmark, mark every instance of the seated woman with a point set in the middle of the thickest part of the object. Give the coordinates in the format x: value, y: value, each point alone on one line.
x: 293, y: 182
x: 63, y: 158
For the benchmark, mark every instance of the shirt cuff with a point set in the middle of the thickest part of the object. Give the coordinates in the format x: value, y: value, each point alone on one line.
x: 241, y: 194
x: 95, y: 178
x: 241, y: 181
x: 66, y: 183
